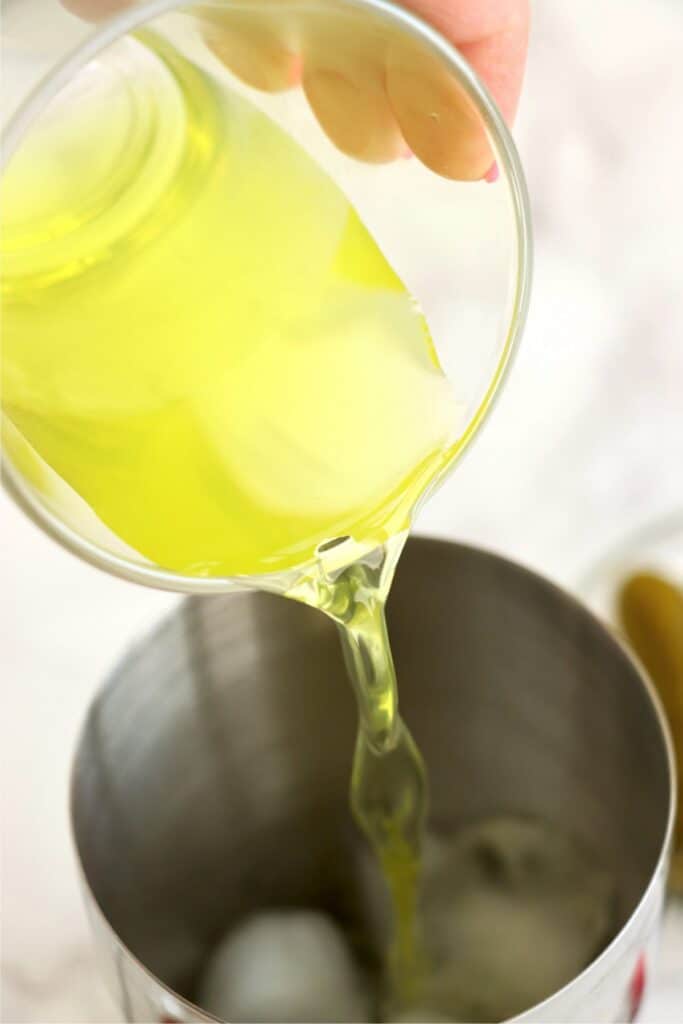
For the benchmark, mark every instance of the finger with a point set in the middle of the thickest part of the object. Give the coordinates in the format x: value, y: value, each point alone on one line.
x: 262, y: 51
x: 370, y: 94
x: 249, y: 44
x: 438, y: 120
x: 493, y: 37
x: 344, y: 83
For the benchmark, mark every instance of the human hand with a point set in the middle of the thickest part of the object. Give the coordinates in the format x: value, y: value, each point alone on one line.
x: 376, y: 98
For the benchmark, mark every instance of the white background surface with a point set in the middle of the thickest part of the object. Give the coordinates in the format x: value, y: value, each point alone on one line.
x: 586, y: 442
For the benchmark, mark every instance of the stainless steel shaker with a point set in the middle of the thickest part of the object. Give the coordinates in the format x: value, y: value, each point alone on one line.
x: 212, y: 771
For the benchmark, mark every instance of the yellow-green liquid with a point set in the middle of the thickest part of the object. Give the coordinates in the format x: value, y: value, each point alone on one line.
x: 204, y: 344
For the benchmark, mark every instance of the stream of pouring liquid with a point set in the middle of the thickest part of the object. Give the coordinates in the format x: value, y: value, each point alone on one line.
x: 389, y: 794
x: 206, y: 351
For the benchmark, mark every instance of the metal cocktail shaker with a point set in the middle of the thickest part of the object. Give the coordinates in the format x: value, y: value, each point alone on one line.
x: 212, y: 773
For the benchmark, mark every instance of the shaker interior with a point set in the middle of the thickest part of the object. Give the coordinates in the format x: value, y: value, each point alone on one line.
x: 212, y: 773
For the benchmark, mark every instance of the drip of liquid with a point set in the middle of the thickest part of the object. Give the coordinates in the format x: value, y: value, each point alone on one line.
x: 204, y: 347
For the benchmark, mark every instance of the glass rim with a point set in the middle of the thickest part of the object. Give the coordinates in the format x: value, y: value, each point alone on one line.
x: 506, y: 152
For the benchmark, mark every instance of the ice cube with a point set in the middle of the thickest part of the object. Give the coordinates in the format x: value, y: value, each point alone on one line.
x: 288, y: 966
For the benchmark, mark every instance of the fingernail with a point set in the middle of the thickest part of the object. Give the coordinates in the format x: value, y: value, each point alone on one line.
x: 493, y: 173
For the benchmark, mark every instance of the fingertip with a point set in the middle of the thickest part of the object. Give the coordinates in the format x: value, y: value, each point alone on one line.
x: 351, y: 106
x: 260, y: 49
x: 438, y: 121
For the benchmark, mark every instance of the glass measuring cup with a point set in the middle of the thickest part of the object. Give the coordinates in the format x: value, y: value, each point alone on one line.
x: 461, y: 246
